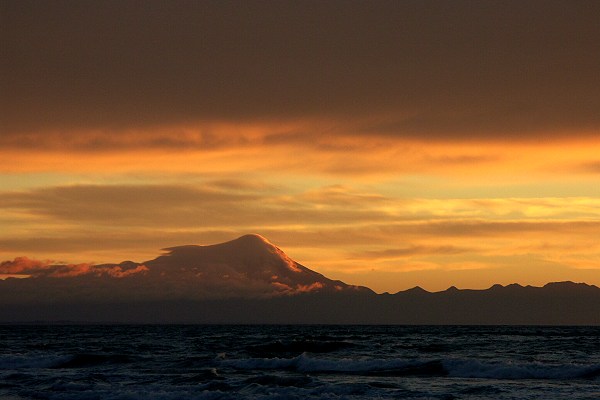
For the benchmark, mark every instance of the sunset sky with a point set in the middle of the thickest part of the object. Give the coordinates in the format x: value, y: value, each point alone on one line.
x: 386, y: 144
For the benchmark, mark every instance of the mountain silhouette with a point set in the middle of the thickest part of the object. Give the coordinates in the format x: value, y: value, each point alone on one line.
x: 250, y: 280
x: 250, y: 261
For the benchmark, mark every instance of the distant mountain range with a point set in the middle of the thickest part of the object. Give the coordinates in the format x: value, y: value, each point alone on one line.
x: 249, y: 280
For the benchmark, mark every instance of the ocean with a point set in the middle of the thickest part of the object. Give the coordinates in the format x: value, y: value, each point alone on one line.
x: 152, y: 362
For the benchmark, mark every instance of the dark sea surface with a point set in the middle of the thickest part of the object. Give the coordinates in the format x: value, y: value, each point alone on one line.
x: 298, y: 362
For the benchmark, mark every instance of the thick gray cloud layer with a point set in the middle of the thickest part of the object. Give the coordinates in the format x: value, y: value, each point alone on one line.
x: 427, y: 69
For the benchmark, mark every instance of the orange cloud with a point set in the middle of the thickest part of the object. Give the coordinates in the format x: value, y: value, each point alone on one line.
x: 309, y: 288
x: 300, y: 150
x: 46, y: 269
x: 22, y: 265
x: 119, y: 272
x: 287, y: 289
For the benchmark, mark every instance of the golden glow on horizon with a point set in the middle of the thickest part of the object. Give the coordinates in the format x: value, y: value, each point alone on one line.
x: 377, y: 211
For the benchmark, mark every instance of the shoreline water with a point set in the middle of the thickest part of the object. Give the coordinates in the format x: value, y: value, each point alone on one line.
x: 71, y: 362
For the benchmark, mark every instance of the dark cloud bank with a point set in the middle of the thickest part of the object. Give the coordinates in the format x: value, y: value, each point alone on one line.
x: 249, y: 280
x: 426, y: 69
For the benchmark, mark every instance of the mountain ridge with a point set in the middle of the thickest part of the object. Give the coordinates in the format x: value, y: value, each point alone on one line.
x: 250, y: 280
